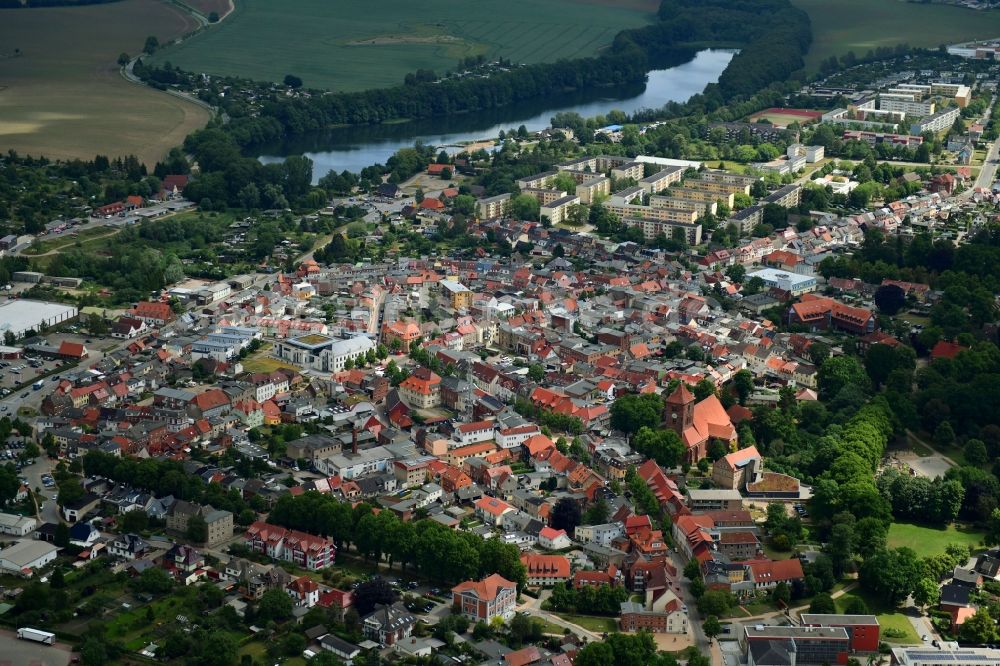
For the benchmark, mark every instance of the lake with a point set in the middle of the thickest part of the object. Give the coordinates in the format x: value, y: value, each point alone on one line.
x: 353, y: 148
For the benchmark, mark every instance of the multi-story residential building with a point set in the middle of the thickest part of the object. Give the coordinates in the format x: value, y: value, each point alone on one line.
x: 662, y: 179
x: 821, y: 313
x: 691, y: 231
x: 413, y: 471
x: 459, y: 296
x: 546, y: 570
x: 388, y: 625
x: 422, y: 389
x: 558, y: 211
x: 602, y: 535
x: 590, y: 189
x: 304, y: 592
x: 305, y: 550
x: 493, y: 207
x: 218, y: 522
x: 472, y: 433
x: 906, y: 103
x: 740, y: 545
x: 153, y: 314
x: 667, y: 615
x: 936, y: 122
x: 487, y: 599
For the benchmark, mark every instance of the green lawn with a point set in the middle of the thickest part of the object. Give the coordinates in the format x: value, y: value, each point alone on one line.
x: 591, y: 622
x: 861, y: 25
x: 888, y: 619
x: 354, y: 45
x: 927, y: 541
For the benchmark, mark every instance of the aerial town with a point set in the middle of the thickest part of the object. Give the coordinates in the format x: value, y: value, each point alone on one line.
x: 625, y: 390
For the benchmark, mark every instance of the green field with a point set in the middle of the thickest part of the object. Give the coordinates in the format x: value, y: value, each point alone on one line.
x: 61, y: 93
x: 355, y: 45
x: 888, y: 618
x: 860, y: 25
x: 927, y: 541
x: 591, y: 622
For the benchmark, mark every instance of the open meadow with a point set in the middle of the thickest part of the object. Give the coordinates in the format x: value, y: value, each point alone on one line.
x: 61, y: 93
x: 345, y: 45
x: 929, y: 541
x: 860, y: 25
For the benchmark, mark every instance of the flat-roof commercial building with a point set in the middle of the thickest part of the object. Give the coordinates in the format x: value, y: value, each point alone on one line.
x: 955, y: 656
x: 793, y: 283
x: 863, y: 630
x: 321, y: 352
x: 27, y: 556
x: 19, y: 316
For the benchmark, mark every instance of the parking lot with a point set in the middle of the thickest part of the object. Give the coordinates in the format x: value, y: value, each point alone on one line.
x: 24, y: 371
x: 23, y: 653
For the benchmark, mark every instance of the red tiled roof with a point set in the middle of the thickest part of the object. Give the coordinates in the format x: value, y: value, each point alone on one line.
x: 486, y: 589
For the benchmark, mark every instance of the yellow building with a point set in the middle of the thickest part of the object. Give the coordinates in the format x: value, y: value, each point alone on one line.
x: 458, y: 295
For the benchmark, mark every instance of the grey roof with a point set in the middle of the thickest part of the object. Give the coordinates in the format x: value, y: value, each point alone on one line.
x: 778, y: 652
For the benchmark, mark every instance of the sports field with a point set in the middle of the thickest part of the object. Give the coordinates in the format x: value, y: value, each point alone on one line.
x: 860, y: 25
x: 61, y: 94
x: 357, y: 44
x: 785, y: 117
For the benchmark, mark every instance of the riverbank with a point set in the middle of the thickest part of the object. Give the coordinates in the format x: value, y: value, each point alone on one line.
x: 356, y: 147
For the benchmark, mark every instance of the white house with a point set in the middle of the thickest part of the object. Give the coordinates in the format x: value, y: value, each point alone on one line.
x: 473, y: 433
x: 553, y: 539
x: 601, y: 535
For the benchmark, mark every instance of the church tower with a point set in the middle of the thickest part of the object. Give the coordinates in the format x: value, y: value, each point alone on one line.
x: 678, y: 411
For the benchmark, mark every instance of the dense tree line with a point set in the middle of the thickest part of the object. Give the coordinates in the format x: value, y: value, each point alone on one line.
x: 167, y: 477
x: 589, y: 599
x: 432, y: 549
x: 773, y: 34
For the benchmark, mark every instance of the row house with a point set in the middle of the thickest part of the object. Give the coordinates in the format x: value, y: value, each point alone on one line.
x: 304, y: 550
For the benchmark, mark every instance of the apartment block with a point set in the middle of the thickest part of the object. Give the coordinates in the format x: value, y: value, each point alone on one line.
x: 493, y: 207
x: 907, y: 103
x: 936, y: 122
x: 537, y: 181
x: 544, y: 196
x: 653, y: 228
x: 677, y: 203
x: 589, y: 190
x: 661, y: 180
x: 558, y: 211
x: 698, y: 194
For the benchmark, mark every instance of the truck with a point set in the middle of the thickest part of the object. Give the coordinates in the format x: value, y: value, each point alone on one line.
x: 39, y: 384
x: 37, y: 635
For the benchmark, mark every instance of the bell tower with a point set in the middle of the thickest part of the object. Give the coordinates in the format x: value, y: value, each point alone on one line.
x: 678, y: 411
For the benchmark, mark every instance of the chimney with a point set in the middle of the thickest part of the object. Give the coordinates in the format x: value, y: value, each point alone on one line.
x: 354, y: 440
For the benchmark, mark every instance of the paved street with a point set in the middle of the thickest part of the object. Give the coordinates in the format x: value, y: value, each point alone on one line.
x: 22, y: 653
